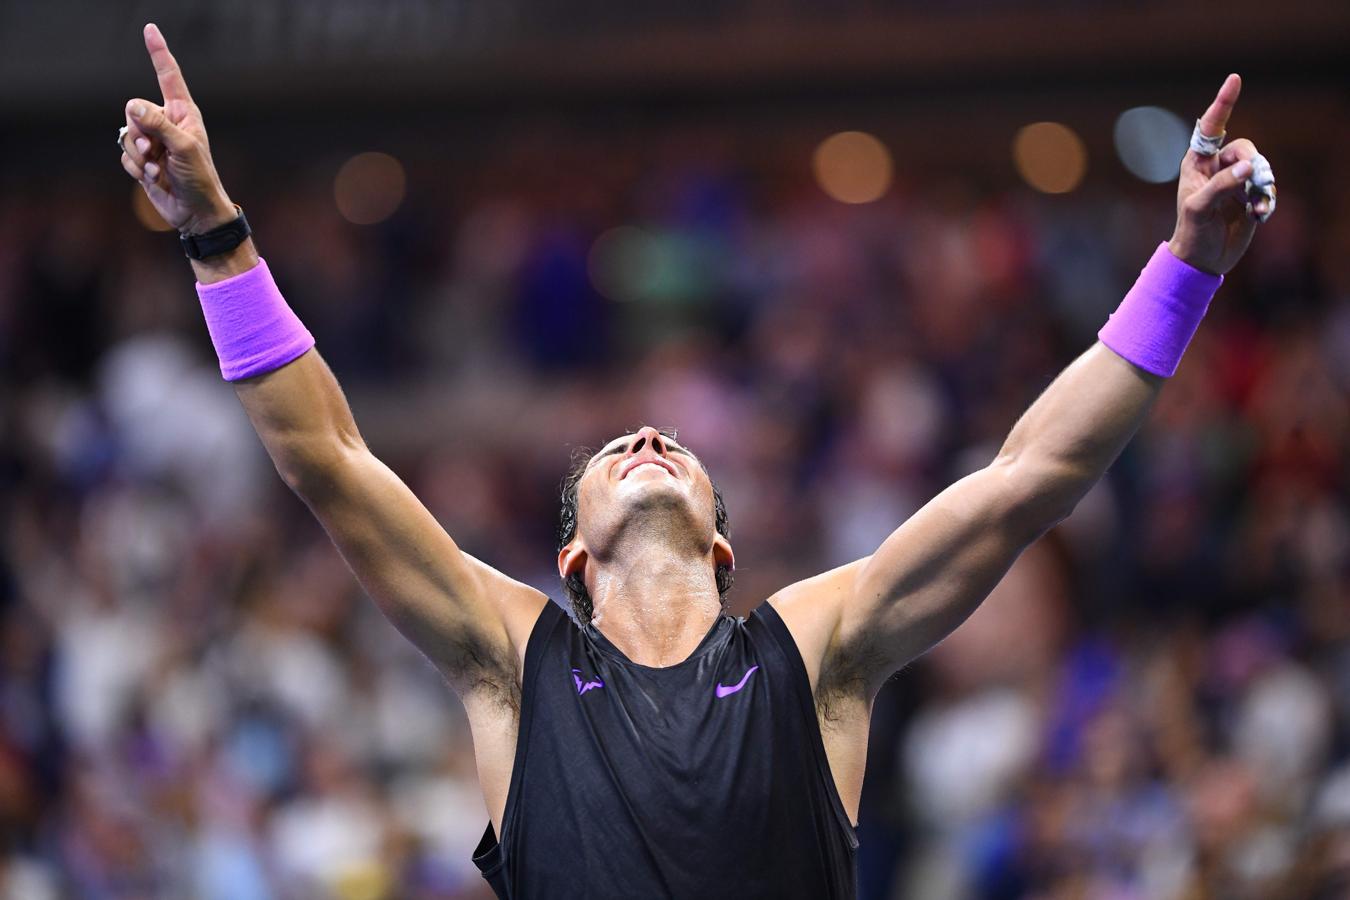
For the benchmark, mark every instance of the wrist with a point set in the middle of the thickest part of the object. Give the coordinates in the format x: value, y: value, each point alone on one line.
x: 252, y: 327
x: 1182, y: 250
x: 226, y: 265
x: 218, y: 213
x: 1159, y: 316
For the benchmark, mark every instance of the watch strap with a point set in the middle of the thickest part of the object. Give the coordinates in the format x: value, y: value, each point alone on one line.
x: 221, y: 239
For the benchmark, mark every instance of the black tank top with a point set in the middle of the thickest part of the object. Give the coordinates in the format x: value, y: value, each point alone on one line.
x: 706, y: 779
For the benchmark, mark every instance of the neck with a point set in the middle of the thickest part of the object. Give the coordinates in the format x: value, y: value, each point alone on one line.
x: 652, y: 602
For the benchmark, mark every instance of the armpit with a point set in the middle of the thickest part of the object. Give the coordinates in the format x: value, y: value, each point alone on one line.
x: 848, y: 674
x: 474, y: 667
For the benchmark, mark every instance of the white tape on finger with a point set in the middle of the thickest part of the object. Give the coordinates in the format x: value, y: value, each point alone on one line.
x: 1203, y: 144
x: 1261, y: 183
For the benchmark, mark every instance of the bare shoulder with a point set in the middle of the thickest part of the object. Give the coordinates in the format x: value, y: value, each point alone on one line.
x: 517, y: 604
x: 811, y: 610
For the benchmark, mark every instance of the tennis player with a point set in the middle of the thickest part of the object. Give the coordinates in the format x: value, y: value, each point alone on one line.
x: 648, y: 744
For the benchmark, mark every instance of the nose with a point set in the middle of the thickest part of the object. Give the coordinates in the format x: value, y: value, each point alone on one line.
x: 648, y: 435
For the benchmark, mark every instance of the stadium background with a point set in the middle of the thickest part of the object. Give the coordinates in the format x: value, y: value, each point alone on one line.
x: 587, y: 217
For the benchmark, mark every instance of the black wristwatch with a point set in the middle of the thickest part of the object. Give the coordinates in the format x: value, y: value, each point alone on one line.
x: 221, y: 239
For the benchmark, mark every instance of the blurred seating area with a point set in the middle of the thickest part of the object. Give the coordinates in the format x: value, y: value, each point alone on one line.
x: 196, y: 700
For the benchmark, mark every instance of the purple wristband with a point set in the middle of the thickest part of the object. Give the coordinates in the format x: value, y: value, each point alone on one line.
x: 1158, y: 317
x: 252, y: 327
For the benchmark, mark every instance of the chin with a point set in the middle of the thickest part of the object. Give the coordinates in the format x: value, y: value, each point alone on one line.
x: 654, y: 488
x: 659, y: 498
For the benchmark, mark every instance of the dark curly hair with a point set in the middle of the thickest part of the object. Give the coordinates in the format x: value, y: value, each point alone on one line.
x: 573, y: 585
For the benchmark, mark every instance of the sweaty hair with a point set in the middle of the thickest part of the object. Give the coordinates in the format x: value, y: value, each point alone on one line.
x: 573, y: 585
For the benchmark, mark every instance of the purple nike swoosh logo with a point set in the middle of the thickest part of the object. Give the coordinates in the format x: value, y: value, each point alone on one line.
x: 586, y: 686
x: 723, y: 690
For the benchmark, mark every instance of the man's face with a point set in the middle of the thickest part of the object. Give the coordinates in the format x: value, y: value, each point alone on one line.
x: 645, y: 480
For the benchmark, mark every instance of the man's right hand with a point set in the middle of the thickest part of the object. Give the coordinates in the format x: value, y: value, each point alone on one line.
x: 166, y: 151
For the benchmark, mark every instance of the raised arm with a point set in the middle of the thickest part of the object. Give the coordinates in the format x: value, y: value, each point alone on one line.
x: 862, y: 622
x: 469, y: 619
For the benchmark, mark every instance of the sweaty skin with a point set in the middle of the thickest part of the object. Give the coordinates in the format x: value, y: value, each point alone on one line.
x: 646, y: 546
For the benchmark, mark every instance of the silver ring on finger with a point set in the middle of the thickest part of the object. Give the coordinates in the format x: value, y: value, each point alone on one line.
x: 121, y: 136
x: 1205, y: 145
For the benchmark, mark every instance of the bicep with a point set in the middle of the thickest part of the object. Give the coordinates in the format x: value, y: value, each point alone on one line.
x: 464, y: 615
x: 933, y: 571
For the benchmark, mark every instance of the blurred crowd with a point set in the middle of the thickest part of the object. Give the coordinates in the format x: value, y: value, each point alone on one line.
x: 196, y: 700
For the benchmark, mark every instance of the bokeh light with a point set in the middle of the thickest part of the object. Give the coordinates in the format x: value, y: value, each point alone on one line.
x: 145, y: 211
x: 1050, y: 157
x: 660, y: 266
x: 369, y: 187
x: 1151, y: 141
x: 618, y: 261
x: 853, y: 167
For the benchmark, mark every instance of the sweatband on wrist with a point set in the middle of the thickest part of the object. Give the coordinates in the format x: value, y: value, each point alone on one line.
x: 1158, y: 317
x: 253, y: 329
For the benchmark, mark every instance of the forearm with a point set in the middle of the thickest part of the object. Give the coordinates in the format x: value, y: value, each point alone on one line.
x: 1073, y: 432
x: 1069, y: 437
x: 297, y: 407
x: 303, y: 419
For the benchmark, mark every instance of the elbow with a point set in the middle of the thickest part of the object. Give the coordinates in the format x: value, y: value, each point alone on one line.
x: 311, y: 469
x: 1044, y: 494
x: 303, y: 477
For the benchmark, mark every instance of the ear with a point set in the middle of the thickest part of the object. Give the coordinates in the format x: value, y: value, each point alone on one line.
x: 722, y: 553
x: 572, y: 559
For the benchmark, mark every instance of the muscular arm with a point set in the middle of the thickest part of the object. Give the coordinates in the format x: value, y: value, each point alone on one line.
x: 860, y: 623
x: 469, y: 619
x: 934, y: 570
x: 465, y: 616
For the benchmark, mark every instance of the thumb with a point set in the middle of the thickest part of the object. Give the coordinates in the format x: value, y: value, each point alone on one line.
x: 1224, y: 183
x: 152, y: 120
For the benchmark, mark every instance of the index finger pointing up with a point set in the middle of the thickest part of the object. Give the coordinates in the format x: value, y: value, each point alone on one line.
x: 171, y: 83
x: 1215, y: 119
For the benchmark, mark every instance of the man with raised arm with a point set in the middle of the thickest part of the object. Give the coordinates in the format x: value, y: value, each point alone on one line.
x: 650, y: 745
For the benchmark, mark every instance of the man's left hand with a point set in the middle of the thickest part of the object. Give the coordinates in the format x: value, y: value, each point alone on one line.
x: 1214, y: 225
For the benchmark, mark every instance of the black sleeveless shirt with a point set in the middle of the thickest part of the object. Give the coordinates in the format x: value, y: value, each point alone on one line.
x: 707, y: 779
